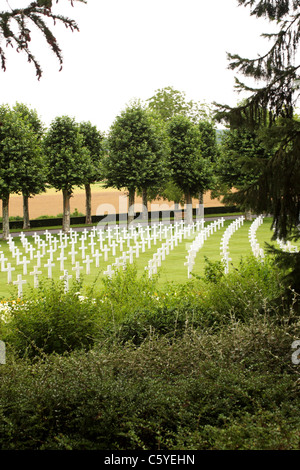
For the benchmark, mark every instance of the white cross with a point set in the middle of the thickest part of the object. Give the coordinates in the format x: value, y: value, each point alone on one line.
x: 130, y: 251
x: 109, y: 272
x: 73, y: 253
x: 35, y: 274
x: 38, y: 257
x: 49, y: 265
x: 30, y: 249
x: 92, y: 245
x: 9, y: 270
x: 51, y: 251
x: 24, y: 263
x: 88, y: 261
x: 113, y: 245
x: 65, y: 277
x: 20, y: 283
x: 106, y: 250
x: 2, y: 261
x: 97, y: 256
x: 143, y: 243
x: 77, y: 268
x: 83, y: 248
x: 62, y: 259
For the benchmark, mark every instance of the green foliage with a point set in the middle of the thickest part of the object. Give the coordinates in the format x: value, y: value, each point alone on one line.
x: 213, y: 270
x: 92, y: 140
x: 16, y: 25
x: 169, y: 102
x: 232, y: 390
x: 242, y: 158
x: 204, y: 365
x: 190, y: 171
x: 51, y: 320
x: 31, y: 170
x: 136, y: 150
x: 68, y: 161
x: 17, y: 145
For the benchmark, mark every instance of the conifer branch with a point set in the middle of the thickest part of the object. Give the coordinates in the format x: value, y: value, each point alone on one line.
x: 16, y: 28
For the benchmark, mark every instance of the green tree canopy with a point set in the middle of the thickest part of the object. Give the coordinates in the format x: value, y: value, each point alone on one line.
x: 68, y: 161
x: 18, y: 146
x: 137, y: 148
x: 32, y: 171
x: 169, y: 102
x: 190, y: 171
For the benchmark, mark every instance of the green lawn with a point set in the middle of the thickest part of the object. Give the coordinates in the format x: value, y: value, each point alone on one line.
x: 172, y: 269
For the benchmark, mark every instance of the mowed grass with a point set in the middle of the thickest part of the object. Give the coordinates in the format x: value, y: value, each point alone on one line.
x: 173, y: 268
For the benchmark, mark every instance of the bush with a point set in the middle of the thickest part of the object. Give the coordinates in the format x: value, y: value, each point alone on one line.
x: 50, y: 320
x: 232, y: 389
x: 129, y: 308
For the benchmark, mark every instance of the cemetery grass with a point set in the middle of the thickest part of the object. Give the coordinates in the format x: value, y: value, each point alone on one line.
x: 132, y: 363
x: 172, y: 269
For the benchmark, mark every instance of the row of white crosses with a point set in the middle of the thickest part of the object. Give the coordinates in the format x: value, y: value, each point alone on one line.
x: 174, y: 233
x: 101, y: 242
x: 256, y: 250
x: 197, y: 244
x: 143, y: 239
x: 287, y: 246
x: 235, y: 225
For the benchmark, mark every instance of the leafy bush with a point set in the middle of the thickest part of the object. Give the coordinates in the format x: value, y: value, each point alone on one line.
x: 230, y: 389
x: 129, y: 308
x: 50, y: 320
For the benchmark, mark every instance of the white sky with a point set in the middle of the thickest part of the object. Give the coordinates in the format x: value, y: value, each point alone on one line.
x: 128, y: 49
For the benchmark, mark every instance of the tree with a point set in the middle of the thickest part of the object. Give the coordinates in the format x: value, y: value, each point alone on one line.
x: 136, y: 149
x: 31, y: 166
x: 190, y: 171
x: 17, y: 24
x: 210, y: 152
x: 68, y: 161
x: 92, y: 140
x: 276, y: 190
x: 242, y: 157
x: 169, y: 102
x: 17, y: 143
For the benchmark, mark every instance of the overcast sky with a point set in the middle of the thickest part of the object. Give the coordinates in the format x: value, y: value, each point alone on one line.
x: 128, y: 49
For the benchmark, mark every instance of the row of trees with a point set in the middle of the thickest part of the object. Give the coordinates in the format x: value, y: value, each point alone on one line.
x: 157, y: 149
x: 33, y: 158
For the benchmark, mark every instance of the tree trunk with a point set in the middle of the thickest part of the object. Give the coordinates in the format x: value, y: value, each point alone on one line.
x: 189, y: 209
x: 5, y: 217
x: 66, y: 211
x: 201, y: 206
x: 88, y: 204
x: 26, y: 221
x: 131, y: 206
x: 249, y: 215
x: 145, y: 206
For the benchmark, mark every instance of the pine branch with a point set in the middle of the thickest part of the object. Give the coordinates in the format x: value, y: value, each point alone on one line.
x: 24, y: 19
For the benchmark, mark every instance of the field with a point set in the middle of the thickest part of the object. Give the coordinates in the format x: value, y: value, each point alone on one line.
x: 172, y: 269
x: 104, y: 201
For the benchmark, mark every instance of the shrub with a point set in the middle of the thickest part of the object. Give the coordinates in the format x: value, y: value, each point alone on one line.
x: 230, y: 389
x: 50, y: 320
